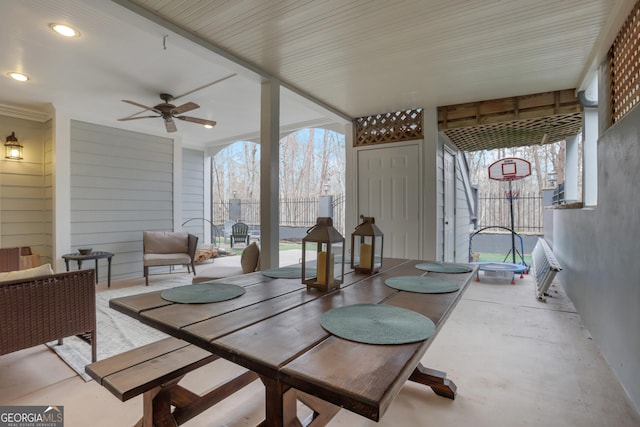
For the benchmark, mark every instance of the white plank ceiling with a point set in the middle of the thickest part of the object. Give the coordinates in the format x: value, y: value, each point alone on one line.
x: 358, y: 57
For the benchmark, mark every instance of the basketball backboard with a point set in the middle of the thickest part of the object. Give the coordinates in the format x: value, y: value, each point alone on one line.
x: 509, y: 169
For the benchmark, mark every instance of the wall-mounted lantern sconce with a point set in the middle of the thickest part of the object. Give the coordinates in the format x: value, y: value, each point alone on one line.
x: 12, y: 148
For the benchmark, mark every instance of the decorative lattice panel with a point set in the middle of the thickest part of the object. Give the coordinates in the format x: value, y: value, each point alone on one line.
x: 516, y: 133
x: 539, y: 118
x: 624, y: 67
x: 391, y: 127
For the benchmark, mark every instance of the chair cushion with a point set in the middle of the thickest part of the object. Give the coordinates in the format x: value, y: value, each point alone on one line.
x: 249, y: 258
x: 165, y: 242
x: 166, y: 259
x: 42, y: 270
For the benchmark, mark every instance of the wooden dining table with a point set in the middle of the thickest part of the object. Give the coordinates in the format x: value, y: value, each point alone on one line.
x: 274, y: 330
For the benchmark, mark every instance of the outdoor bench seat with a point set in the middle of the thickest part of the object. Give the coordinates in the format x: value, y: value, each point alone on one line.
x: 154, y: 371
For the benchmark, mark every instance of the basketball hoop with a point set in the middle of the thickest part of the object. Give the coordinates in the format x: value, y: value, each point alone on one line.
x: 512, y: 194
x: 509, y: 169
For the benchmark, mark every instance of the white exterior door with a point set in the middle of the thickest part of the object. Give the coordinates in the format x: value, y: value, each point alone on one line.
x: 449, y: 207
x: 389, y: 190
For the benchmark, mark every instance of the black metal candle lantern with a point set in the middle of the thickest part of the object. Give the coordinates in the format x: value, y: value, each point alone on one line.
x: 326, y: 242
x: 366, y: 247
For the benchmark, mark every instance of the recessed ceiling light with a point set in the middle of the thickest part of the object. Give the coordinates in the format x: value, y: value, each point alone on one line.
x: 18, y: 76
x: 208, y: 126
x: 64, y: 30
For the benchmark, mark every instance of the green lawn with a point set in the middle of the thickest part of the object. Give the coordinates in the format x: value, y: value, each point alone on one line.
x: 283, y: 246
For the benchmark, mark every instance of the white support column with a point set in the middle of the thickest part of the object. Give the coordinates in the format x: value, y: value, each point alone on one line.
x: 206, y: 214
x: 431, y: 241
x: 177, y: 183
x: 269, y: 174
x: 571, y: 169
x: 590, y: 157
x: 61, y: 196
x: 351, y: 185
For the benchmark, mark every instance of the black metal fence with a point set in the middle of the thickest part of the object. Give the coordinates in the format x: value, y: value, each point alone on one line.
x: 494, y: 209
x: 301, y: 212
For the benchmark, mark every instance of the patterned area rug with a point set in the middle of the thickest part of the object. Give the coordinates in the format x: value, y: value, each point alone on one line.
x: 116, y: 332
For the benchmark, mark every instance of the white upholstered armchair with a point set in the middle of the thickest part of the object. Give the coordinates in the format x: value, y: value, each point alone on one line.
x: 163, y: 248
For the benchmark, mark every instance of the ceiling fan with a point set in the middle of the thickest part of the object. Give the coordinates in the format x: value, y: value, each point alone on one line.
x: 168, y: 112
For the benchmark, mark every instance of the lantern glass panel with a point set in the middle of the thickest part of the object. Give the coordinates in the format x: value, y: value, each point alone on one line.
x: 367, y: 247
x: 13, y: 150
x: 377, y: 253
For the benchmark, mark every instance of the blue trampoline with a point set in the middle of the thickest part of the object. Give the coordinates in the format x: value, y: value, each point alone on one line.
x: 503, y: 266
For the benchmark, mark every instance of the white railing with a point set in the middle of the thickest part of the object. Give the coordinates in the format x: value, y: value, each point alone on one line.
x: 545, y: 266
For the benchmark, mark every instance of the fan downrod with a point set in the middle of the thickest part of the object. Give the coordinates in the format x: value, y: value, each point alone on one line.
x: 166, y: 97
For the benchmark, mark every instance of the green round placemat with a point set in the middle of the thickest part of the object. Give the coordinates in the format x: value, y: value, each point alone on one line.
x: 202, y: 293
x: 438, y: 267
x: 377, y: 324
x: 293, y: 272
x: 421, y: 284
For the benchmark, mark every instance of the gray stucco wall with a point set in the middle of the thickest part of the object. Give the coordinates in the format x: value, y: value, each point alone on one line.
x: 599, y: 250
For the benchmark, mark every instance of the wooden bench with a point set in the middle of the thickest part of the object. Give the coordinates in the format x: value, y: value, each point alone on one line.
x: 154, y: 371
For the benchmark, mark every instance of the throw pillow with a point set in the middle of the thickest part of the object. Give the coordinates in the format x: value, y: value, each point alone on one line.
x: 42, y: 270
x: 249, y: 258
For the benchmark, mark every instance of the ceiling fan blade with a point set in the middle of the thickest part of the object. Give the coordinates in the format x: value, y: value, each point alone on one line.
x: 136, y: 118
x: 197, y: 120
x: 203, y: 87
x: 141, y: 106
x: 170, y: 125
x: 185, y: 107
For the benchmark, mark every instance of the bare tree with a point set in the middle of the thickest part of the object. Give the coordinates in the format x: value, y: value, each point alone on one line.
x: 309, y: 159
x: 545, y: 160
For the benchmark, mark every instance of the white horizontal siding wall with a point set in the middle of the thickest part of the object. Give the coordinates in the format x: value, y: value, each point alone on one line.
x: 121, y: 185
x: 462, y: 209
x: 463, y: 212
x: 25, y: 211
x: 193, y: 193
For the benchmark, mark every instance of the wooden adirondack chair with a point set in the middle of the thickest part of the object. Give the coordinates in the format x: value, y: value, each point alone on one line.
x: 239, y: 233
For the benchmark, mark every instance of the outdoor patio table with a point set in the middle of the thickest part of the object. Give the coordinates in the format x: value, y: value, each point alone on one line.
x: 274, y: 330
x: 78, y: 257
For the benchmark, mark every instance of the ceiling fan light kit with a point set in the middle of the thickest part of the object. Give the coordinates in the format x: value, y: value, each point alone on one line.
x: 169, y: 112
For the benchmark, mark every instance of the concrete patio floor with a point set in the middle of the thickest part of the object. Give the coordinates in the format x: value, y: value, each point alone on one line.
x: 516, y: 362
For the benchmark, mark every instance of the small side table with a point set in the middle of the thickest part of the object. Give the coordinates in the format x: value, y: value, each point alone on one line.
x: 93, y: 255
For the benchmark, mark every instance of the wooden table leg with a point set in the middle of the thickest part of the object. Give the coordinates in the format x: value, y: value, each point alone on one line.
x: 156, y: 407
x: 281, y: 407
x: 437, y: 380
x: 280, y: 404
x: 323, y: 411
